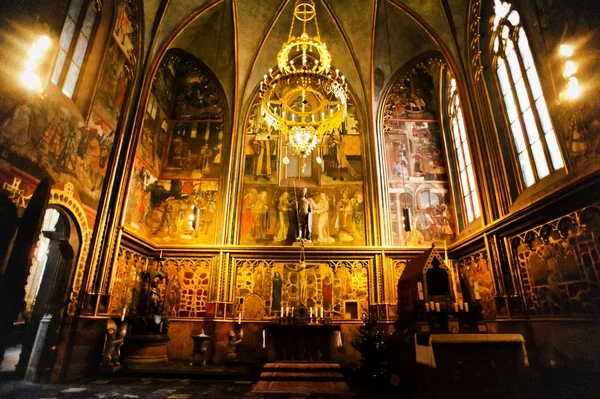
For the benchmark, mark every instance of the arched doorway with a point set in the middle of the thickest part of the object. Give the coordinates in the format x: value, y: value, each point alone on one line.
x: 49, y: 283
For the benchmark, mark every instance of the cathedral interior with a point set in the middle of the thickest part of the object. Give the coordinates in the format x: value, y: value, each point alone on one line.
x: 246, y: 183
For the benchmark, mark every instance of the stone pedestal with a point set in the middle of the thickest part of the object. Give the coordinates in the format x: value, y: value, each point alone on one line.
x: 145, y: 349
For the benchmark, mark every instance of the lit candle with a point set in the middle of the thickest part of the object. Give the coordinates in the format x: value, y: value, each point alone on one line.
x: 426, y: 307
x: 240, y: 318
x: 124, y: 311
x: 287, y: 311
x: 322, y: 314
x: 455, y: 307
x: 281, y: 312
x: 420, y: 288
x: 437, y: 306
x: 467, y: 307
x: 311, y: 312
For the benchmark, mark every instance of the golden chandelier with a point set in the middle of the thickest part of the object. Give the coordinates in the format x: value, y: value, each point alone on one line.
x: 304, y: 99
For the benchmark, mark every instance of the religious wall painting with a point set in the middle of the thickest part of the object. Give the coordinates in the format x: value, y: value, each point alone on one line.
x: 171, y: 211
x: 46, y: 134
x: 263, y: 289
x: 125, y: 28
x: 187, y: 286
x: 195, y: 150
x: 198, y: 96
x: 112, y: 89
x: 261, y: 149
x: 163, y: 86
x: 415, y: 162
x: 154, y: 135
x: 559, y: 264
x: 476, y: 278
x: 269, y: 215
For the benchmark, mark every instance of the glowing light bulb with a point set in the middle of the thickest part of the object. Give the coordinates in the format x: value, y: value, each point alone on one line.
x: 573, y: 89
x: 570, y: 69
x: 566, y: 50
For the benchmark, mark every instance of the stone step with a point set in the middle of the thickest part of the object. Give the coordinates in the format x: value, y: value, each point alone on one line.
x: 297, y: 375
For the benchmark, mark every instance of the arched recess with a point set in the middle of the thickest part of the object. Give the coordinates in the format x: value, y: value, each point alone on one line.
x: 65, y: 197
x: 336, y: 185
x: 413, y: 161
x: 177, y: 174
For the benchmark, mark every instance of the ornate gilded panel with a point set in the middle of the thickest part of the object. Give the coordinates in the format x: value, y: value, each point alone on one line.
x: 476, y: 269
x: 262, y: 289
x: 126, y: 281
x: 187, y: 287
x: 559, y: 264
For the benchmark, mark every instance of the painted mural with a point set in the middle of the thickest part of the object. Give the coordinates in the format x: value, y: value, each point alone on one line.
x: 125, y: 28
x: 559, y: 265
x: 175, y: 182
x: 262, y: 289
x: 44, y: 134
x: 476, y: 269
x: 171, y: 211
x: 272, y: 189
x: 110, y: 96
x: 154, y: 135
x: 415, y: 161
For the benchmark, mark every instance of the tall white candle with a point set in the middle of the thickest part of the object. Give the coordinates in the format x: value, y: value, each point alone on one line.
x: 466, y: 307
x: 437, y: 306
x: 460, y: 305
x: 264, y: 338
x: 240, y: 318
x: 420, y: 288
x: 427, y: 307
x: 455, y: 307
x: 432, y: 305
x: 311, y: 312
x: 287, y: 311
x: 322, y: 313
x: 124, y: 311
x: 281, y: 312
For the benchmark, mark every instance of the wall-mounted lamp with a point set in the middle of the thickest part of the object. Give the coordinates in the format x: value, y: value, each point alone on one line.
x: 36, y: 55
x: 573, y: 89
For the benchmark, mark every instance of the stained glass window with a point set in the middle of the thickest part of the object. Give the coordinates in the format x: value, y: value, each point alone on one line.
x: 531, y: 129
x: 73, y: 44
x: 468, y: 190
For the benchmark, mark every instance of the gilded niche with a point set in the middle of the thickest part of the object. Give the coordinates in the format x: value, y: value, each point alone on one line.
x: 414, y: 156
x: 264, y: 289
x: 175, y: 181
x: 332, y: 175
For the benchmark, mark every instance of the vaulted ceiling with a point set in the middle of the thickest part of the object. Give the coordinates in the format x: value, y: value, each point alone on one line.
x: 368, y: 40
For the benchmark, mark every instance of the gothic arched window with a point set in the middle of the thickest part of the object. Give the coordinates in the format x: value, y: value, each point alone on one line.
x: 74, y: 42
x: 468, y: 189
x: 526, y: 112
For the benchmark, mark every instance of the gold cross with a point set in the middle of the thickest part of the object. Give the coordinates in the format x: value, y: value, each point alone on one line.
x: 16, y: 193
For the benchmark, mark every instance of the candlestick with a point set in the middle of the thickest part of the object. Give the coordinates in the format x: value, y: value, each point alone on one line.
x: 437, y: 306
x: 467, y: 307
x: 420, y: 289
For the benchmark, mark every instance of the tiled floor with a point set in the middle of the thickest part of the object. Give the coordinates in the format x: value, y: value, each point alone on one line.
x: 144, y: 388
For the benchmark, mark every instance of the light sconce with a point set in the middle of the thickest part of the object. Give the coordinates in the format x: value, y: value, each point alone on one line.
x: 36, y: 55
x: 573, y: 89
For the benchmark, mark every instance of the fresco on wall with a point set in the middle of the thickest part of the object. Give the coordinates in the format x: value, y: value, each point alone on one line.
x: 171, y: 211
x: 195, y: 150
x: 124, y: 28
x: 415, y: 160
x: 476, y: 269
x: 198, y: 96
x: 262, y: 289
x: 559, y: 265
x: 47, y: 135
x: 164, y: 82
x: 154, y: 135
x: 335, y: 186
x: 110, y: 95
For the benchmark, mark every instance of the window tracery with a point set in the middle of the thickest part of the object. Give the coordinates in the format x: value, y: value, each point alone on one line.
x: 462, y: 153
x: 532, y: 133
x: 75, y: 38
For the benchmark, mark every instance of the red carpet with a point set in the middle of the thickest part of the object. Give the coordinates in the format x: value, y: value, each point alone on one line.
x: 309, y: 378
x: 301, y: 387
